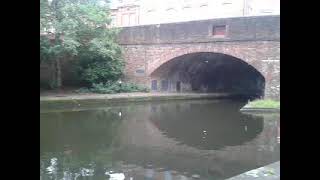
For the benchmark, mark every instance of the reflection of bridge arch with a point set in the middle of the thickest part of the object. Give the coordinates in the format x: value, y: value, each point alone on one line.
x: 139, y: 141
x: 226, y: 129
x: 145, y: 138
x: 163, y: 125
x: 157, y: 149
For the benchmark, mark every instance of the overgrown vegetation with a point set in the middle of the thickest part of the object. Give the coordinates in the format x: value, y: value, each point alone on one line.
x: 113, y: 87
x: 77, y: 30
x: 265, y: 103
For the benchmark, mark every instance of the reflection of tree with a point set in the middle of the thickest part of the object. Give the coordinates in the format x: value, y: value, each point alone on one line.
x: 81, y: 142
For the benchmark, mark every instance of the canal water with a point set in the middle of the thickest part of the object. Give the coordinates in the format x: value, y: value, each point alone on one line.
x: 171, y: 140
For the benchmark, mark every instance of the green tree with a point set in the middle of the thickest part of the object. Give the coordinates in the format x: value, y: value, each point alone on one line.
x: 77, y: 30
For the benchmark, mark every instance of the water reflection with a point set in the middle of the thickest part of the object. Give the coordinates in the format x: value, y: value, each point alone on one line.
x: 207, y: 126
x: 168, y: 140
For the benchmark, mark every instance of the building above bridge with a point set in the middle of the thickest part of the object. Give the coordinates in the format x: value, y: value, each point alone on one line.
x: 143, y: 12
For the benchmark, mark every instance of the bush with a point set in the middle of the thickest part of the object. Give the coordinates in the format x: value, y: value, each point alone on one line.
x: 45, y: 85
x: 95, y: 72
x: 113, y: 87
x: 82, y: 90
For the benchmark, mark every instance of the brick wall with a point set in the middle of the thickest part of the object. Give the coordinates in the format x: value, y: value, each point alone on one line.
x: 255, y: 40
x: 237, y: 29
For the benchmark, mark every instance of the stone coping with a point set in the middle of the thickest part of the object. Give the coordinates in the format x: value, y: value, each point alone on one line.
x: 259, y: 110
x: 88, y: 101
x: 134, y: 96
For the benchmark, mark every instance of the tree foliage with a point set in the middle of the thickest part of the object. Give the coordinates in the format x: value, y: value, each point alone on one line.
x: 77, y: 29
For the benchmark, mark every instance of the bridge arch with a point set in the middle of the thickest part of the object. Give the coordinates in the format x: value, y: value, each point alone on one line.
x: 206, y: 71
x: 245, y: 53
x: 254, y: 40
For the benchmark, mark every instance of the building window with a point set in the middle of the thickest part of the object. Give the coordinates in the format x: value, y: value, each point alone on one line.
x: 219, y: 31
x: 170, y: 9
x: 164, y: 85
x: 187, y: 2
x: 140, y: 71
x: 125, y: 20
x: 203, y: 3
x: 132, y: 19
x: 226, y: 3
x: 154, y: 85
x: 151, y: 10
x: 266, y: 11
x: 186, y: 7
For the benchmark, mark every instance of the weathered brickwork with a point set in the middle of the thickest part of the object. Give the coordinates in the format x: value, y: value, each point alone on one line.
x: 237, y: 29
x: 254, y: 40
x: 264, y: 56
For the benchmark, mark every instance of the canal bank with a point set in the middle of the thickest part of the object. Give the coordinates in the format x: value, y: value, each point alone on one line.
x: 76, y: 100
x: 262, y: 106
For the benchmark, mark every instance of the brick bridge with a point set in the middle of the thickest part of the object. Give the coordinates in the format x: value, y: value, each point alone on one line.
x: 229, y: 55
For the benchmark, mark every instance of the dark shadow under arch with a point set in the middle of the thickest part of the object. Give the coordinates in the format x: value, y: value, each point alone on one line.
x: 208, y: 72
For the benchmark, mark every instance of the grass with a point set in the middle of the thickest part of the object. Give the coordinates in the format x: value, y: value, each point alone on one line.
x: 265, y: 103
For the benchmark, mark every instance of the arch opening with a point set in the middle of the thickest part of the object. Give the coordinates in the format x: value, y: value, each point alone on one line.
x: 206, y: 72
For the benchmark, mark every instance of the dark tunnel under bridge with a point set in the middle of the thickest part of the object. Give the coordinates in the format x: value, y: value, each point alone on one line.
x: 208, y: 72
